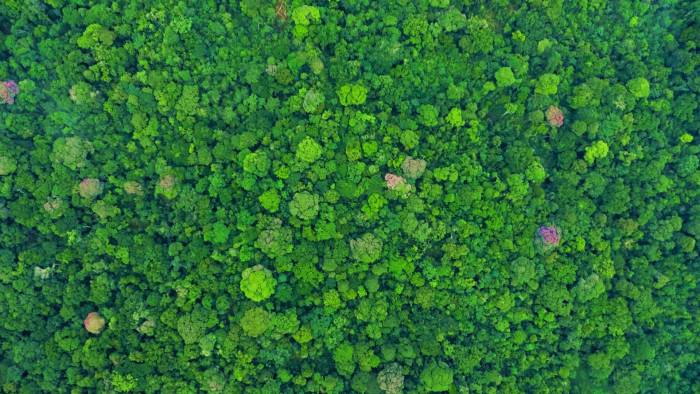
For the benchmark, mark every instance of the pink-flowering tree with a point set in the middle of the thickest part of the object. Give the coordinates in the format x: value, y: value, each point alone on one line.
x: 90, y: 188
x: 94, y: 323
x: 397, y: 184
x: 555, y: 117
x: 8, y: 91
x: 394, y: 181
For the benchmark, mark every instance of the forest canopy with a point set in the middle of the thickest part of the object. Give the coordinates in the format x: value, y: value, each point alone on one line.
x: 391, y: 196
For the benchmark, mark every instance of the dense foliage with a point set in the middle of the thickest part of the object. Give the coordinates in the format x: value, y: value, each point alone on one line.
x: 262, y: 196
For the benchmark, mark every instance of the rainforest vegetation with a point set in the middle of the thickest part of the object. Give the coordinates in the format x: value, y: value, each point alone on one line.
x: 349, y: 196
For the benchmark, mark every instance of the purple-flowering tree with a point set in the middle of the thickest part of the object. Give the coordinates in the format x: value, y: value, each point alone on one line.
x: 549, y: 235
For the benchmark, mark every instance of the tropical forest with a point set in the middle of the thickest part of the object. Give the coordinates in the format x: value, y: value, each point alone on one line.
x: 350, y: 196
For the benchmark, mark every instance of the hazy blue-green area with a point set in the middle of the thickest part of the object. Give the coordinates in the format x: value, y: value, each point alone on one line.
x: 349, y: 196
